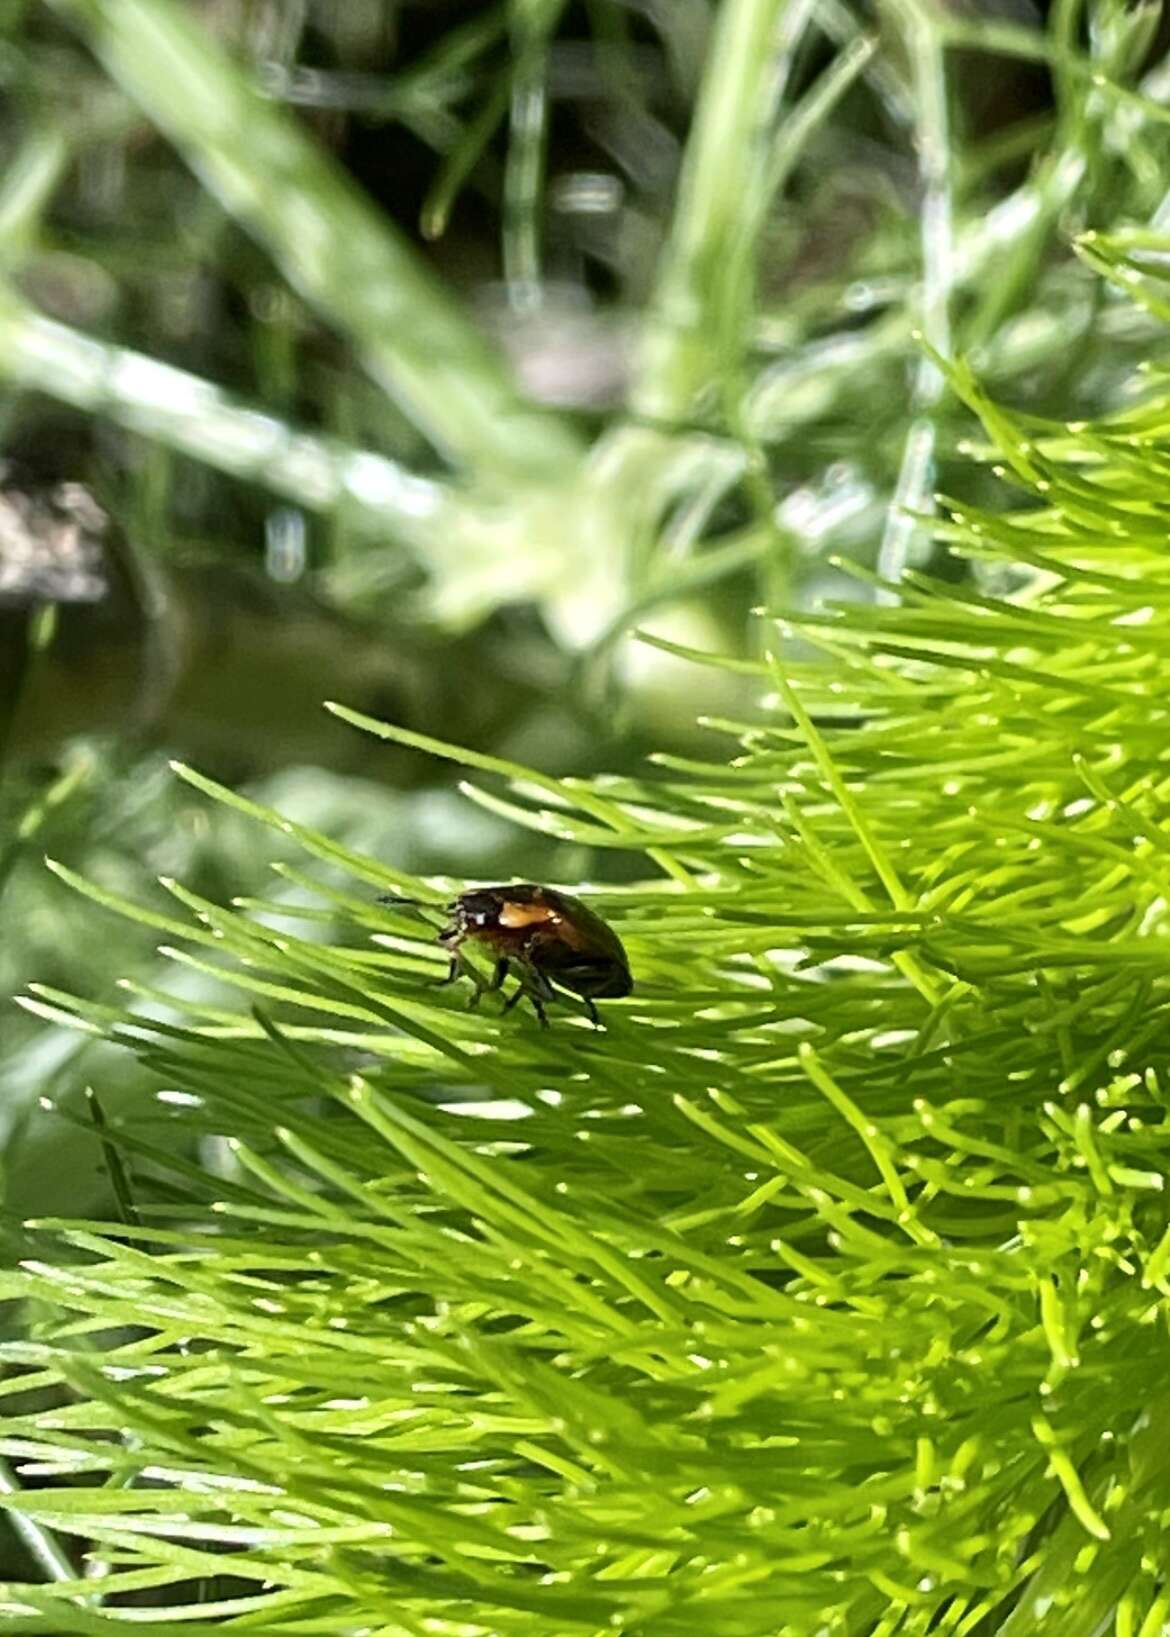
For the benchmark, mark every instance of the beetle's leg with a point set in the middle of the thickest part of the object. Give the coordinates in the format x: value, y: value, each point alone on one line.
x: 500, y: 973
x: 592, y: 1010
x: 533, y: 996
x: 478, y: 985
x: 458, y: 967
x: 540, y: 990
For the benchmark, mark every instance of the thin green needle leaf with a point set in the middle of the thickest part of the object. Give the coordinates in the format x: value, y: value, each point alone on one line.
x: 119, y: 1178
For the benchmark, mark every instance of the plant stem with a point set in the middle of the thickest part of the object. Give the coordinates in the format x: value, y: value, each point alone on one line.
x: 29, y: 181
x: 721, y: 167
x: 194, y: 417
x: 524, y: 173
x: 912, y: 492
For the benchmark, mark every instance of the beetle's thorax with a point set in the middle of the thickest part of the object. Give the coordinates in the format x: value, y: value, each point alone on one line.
x: 487, y: 910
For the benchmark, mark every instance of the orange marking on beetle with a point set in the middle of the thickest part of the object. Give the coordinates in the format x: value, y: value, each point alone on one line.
x: 521, y: 915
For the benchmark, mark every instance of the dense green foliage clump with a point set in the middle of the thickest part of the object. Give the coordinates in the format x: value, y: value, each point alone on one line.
x: 824, y: 1290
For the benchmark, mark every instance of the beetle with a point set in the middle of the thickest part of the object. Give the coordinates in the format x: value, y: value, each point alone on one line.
x: 550, y: 937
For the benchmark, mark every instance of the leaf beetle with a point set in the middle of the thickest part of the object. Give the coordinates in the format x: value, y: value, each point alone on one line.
x: 550, y: 937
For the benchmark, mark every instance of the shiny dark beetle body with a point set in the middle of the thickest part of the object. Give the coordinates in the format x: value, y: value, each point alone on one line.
x: 548, y: 936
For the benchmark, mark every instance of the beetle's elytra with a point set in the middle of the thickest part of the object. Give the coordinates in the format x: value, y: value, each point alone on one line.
x: 550, y: 937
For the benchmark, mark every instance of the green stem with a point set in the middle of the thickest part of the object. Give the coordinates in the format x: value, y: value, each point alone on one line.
x: 678, y: 356
x: 29, y: 182
x: 331, y: 243
x: 524, y: 172
x: 192, y: 416
x: 913, y: 494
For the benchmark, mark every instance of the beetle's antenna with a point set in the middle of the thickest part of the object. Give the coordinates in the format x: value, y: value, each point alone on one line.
x: 400, y: 901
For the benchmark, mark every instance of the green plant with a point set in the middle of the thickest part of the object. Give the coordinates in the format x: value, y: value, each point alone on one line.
x: 824, y: 1290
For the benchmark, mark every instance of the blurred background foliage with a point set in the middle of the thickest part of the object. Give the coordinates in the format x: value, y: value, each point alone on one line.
x: 413, y: 353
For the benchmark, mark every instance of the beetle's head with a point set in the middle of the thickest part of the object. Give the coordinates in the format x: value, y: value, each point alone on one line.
x: 476, y: 909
